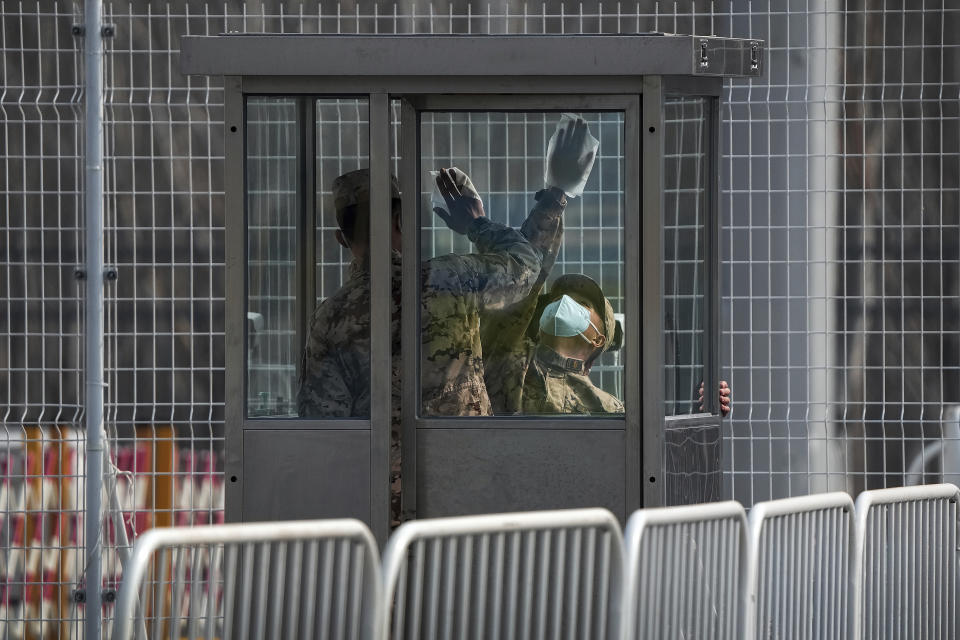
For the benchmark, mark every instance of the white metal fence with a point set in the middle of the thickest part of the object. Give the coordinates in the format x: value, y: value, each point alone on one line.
x: 798, y: 573
x: 548, y: 574
x: 687, y: 571
x: 301, y: 579
x: 840, y: 249
x: 682, y: 572
x: 907, y: 565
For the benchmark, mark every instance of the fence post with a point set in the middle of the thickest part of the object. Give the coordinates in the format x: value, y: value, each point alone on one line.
x: 93, y: 309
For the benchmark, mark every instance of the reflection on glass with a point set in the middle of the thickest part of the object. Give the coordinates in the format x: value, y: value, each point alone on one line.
x: 685, y: 208
x: 335, y: 367
x: 282, y: 332
x: 272, y: 140
x: 487, y: 284
x: 342, y: 146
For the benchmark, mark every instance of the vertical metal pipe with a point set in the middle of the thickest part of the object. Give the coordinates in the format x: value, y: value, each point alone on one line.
x: 93, y: 310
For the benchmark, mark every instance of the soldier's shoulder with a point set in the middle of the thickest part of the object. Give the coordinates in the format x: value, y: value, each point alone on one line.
x: 352, y: 297
x: 343, y: 316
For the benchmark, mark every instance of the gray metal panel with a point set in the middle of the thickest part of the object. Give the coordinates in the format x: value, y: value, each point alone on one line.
x: 432, y: 85
x: 409, y: 318
x: 235, y: 306
x: 633, y: 374
x: 342, y: 424
x: 562, y: 101
x: 692, y: 86
x: 712, y: 260
x: 381, y: 302
x: 541, y: 423
x: 713, y: 256
x: 652, y: 283
x: 469, y: 471
x: 295, y: 475
x: 461, y: 55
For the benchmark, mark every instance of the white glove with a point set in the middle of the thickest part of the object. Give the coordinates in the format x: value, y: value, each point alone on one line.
x: 463, y: 182
x: 570, y: 155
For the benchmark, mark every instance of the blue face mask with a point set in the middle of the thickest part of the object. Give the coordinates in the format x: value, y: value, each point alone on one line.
x: 565, y: 318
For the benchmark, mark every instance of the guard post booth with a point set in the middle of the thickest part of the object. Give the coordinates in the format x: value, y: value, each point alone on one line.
x: 301, y: 110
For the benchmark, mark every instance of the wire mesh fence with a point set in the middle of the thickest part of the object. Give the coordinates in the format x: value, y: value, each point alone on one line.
x: 840, y: 255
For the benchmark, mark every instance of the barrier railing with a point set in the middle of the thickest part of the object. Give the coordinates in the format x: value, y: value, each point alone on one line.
x: 907, y: 564
x: 681, y: 578
x: 796, y: 581
x: 261, y: 580
x: 548, y: 574
x: 808, y: 567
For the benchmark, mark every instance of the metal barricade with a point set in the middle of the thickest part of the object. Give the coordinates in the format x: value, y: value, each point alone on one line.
x: 906, y: 563
x: 310, y: 578
x: 681, y: 578
x: 796, y: 580
x: 546, y: 574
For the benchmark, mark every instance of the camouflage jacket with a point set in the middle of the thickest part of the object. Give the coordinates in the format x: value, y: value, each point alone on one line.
x: 335, y: 365
x: 502, y: 332
x: 554, y: 384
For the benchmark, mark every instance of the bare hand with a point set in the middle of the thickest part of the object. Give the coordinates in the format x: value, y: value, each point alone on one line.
x: 566, y: 164
x: 461, y: 210
x: 726, y: 400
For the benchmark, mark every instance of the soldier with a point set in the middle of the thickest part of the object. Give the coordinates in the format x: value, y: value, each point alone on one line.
x: 454, y: 290
x: 334, y: 373
x: 574, y: 324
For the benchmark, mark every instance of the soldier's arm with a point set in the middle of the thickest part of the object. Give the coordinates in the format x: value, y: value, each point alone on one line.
x: 544, y: 228
x: 504, y: 268
x: 502, y: 331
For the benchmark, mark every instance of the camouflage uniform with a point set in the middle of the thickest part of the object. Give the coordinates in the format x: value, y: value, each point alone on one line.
x: 455, y: 289
x: 541, y: 381
x: 505, y: 347
x: 555, y: 384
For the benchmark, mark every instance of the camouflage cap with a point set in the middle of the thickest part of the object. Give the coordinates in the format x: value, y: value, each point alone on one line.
x: 353, y: 188
x: 586, y: 288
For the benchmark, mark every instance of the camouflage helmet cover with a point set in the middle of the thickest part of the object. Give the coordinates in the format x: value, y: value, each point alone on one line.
x: 353, y: 188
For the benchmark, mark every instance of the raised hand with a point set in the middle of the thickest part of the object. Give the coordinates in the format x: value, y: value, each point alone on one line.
x: 567, y: 165
x: 461, y: 210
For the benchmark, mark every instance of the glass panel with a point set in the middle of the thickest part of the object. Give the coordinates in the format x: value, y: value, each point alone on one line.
x: 272, y: 141
x: 287, y: 337
x: 685, y: 219
x: 483, y: 351
x: 335, y: 379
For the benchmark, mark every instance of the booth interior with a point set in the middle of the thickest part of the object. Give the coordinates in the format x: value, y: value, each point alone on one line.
x: 470, y: 274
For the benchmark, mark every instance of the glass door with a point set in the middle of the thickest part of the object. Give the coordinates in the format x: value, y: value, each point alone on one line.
x: 526, y: 213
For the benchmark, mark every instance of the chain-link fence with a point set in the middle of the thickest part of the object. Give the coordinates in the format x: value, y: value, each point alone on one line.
x: 840, y: 255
